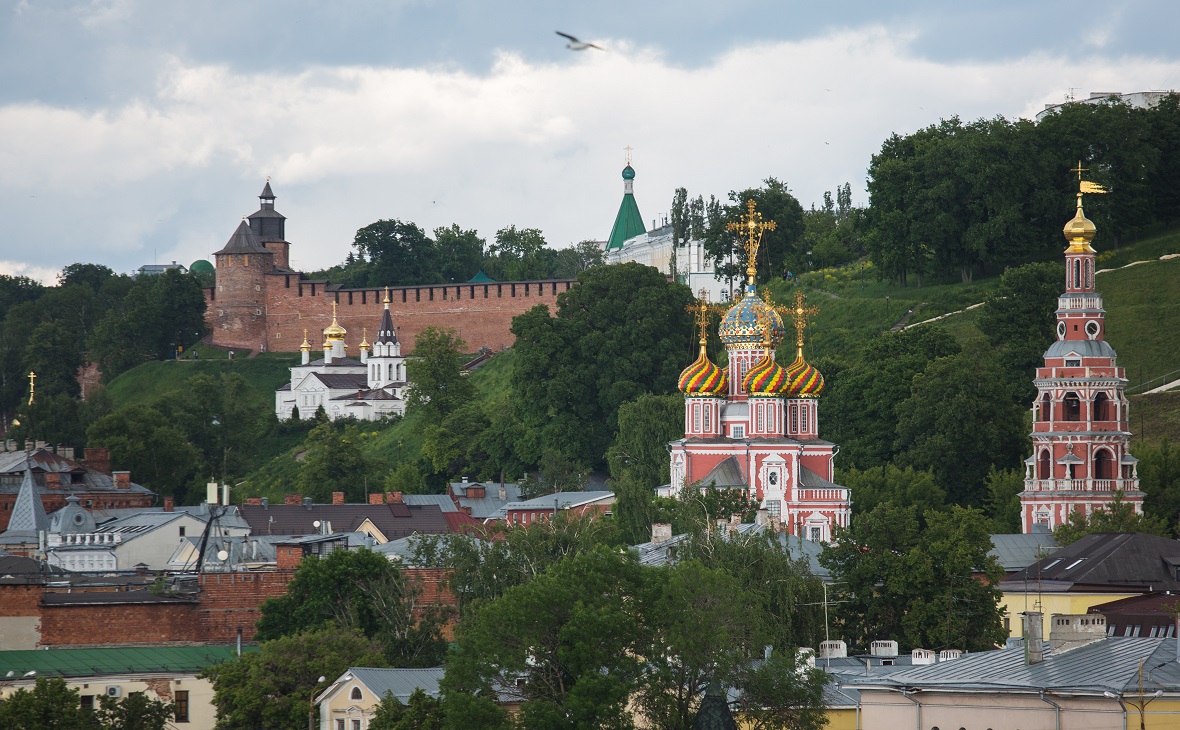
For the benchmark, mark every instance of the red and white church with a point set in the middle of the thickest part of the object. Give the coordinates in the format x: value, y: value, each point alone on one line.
x: 1081, y: 422
x: 754, y: 426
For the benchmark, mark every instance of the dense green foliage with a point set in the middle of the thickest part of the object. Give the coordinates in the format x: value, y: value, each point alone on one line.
x: 363, y: 591
x: 52, y: 704
x: 436, y: 370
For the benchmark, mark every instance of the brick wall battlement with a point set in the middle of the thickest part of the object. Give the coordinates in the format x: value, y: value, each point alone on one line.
x: 243, y: 313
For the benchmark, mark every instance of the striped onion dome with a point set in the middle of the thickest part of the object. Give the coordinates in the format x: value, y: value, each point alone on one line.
x: 703, y: 378
x: 767, y: 378
x: 803, y: 380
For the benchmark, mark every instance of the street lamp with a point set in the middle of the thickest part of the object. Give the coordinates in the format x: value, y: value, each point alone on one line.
x: 311, y: 703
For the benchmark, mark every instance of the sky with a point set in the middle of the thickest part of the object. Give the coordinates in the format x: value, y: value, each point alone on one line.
x: 141, y: 131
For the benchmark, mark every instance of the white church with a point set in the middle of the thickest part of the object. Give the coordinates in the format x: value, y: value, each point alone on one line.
x: 630, y: 240
x: 369, y: 389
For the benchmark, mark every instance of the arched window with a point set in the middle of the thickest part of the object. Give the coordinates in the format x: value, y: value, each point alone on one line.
x: 1073, y: 407
x: 1089, y: 273
x: 1103, y: 465
x: 1077, y: 274
x: 1046, y: 408
x: 1044, y: 467
x: 1102, y: 408
x: 356, y: 693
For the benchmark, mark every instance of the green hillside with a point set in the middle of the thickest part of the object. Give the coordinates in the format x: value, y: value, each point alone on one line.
x: 149, y: 381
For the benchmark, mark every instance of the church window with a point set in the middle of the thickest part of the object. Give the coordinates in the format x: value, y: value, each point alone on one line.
x: 1103, y: 465
x: 1046, y: 407
x: 817, y: 534
x: 1077, y: 274
x: 1102, y: 409
x: 708, y: 418
x: 761, y: 417
x: 696, y: 417
x: 1075, y: 362
x: 356, y: 693
x: 1073, y: 407
x: 739, y: 432
x: 774, y: 507
x: 1089, y: 273
x: 794, y: 416
x: 391, y: 371
x: 1044, y: 468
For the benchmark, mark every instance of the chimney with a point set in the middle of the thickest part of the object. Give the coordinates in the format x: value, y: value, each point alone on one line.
x: 98, y: 459
x: 211, y: 492
x: 834, y: 649
x: 395, y: 498
x: 922, y: 656
x: 293, y: 499
x: 337, y: 497
x: 377, y: 498
x: 52, y: 480
x: 266, y: 503
x: 122, y: 479
x: 883, y: 648
x: 661, y: 532
x: 464, y: 480
x: 307, y: 503
x: 169, y: 504
x: 66, y: 452
x: 503, y: 493
x: 1069, y: 631
x: 1034, y: 651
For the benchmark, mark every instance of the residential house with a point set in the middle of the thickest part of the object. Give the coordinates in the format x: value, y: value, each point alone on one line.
x: 351, y: 700
x: 543, y: 508
x: 483, y: 500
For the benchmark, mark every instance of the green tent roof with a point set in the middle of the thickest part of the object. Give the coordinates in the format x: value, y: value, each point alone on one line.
x: 628, y: 223
x: 481, y: 278
x: 118, y: 660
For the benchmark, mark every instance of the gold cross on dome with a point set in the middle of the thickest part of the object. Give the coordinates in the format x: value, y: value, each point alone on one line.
x: 799, y: 316
x: 1079, y: 169
x: 32, y: 385
x: 751, y: 226
x: 699, y: 310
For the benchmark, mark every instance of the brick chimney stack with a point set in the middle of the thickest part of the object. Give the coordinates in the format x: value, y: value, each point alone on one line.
x: 98, y: 459
x: 292, y: 499
x: 169, y: 504
x: 337, y: 497
x: 377, y: 498
x: 122, y: 479
x: 395, y: 498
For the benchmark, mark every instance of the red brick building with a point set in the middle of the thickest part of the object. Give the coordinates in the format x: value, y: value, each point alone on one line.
x: 259, y: 302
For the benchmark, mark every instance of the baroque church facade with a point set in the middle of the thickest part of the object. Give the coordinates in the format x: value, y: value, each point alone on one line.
x: 753, y: 426
x: 1081, y: 416
x: 368, y: 389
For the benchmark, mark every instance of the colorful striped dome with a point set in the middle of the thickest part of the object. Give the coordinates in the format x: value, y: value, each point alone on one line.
x: 803, y: 380
x: 741, y: 325
x: 703, y: 378
x: 767, y: 378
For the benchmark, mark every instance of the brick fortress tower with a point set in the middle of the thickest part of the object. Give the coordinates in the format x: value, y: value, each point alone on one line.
x: 1081, y: 421
x: 754, y: 425
x: 257, y: 248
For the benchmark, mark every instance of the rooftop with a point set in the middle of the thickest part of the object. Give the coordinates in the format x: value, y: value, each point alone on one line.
x: 122, y: 660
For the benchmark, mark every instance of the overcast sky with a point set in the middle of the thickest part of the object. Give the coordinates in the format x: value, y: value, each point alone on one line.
x: 139, y: 131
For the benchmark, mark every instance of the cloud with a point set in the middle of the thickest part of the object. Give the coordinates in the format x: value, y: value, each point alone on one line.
x: 39, y: 273
x: 525, y: 143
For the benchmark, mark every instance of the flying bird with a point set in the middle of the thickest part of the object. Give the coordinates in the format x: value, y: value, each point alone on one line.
x: 575, y: 44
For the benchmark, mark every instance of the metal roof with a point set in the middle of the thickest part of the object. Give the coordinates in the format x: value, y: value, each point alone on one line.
x: 28, y: 513
x: 1105, y: 560
x: 386, y: 332
x: 726, y: 474
x: 442, y: 501
x: 1082, y: 348
x: 337, y: 362
x: 343, y: 381
x: 488, y: 506
x: 1017, y: 552
x: 628, y: 223
x: 243, y: 240
x: 393, y: 520
x: 401, y: 683
x: 81, y: 478
x: 122, y: 660
x: 563, y: 500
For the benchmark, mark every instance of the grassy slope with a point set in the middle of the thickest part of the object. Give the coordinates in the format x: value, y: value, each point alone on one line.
x: 151, y: 380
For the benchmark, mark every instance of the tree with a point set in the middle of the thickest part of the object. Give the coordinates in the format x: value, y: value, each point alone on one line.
x: 453, y: 446
x: 899, y: 487
x: 1159, y: 477
x: 519, y: 255
x: 954, y: 424
x: 1118, y: 516
x: 358, y: 590
x: 397, y: 253
x: 1003, y: 499
x: 421, y: 712
x: 639, y: 460
x: 54, y: 355
x: 917, y: 584
x: 136, y: 711
x: 145, y: 443
x: 50, y: 705
x: 578, y: 258
x: 270, y: 689
x: 1018, y: 319
x: 721, y: 246
x: 435, y: 372
x: 621, y: 332
x: 459, y: 253
x: 680, y: 230
x: 335, y: 461
x: 781, y: 248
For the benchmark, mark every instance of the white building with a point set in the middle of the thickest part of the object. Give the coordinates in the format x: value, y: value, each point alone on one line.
x: 630, y: 241
x: 1137, y: 100
x: 368, y: 389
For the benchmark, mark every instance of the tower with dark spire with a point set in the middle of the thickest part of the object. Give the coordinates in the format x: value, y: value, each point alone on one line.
x: 628, y: 221
x: 387, y: 367
x: 270, y: 227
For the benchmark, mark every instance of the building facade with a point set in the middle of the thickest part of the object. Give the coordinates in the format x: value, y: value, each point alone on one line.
x: 630, y: 241
x: 754, y: 425
x: 260, y: 303
x: 1081, y: 416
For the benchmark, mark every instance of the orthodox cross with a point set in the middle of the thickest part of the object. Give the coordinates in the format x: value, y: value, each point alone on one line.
x: 32, y: 385
x: 700, y: 311
x: 799, y: 315
x: 386, y: 295
x: 751, y: 226
x: 628, y: 148
x: 1079, y: 169
x: 333, y: 310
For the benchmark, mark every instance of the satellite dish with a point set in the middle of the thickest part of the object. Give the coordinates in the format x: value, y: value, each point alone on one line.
x: 316, y: 524
x: 222, y: 555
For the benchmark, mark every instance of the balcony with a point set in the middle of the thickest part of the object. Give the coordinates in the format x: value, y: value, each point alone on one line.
x: 1081, y: 485
x: 823, y: 495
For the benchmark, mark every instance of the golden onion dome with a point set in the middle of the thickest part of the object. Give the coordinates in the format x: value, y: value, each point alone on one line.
x: 703, y: 378
x: 803, y: 380
x: 364, y: 338
x: 334, y: 331
x: 766, y: 379
x: 1080, y: 230
x: 306, y: 345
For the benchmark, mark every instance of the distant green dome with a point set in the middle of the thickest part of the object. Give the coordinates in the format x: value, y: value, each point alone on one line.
x: 201, y: 266
x: 628, y: 173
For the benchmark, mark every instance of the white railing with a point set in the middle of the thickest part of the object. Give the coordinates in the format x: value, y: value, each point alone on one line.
x: 1075, y: 301
x: 823, y: 495
x: 1083, y: 485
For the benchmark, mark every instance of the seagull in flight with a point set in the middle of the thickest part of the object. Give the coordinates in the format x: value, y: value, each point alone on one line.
x: 575, y: 44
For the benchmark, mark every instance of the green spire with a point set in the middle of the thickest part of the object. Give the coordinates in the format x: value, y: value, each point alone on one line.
x: 628, y: 223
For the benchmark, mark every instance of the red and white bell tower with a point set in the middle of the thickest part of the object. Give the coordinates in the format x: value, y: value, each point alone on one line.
x: 1081, y: 424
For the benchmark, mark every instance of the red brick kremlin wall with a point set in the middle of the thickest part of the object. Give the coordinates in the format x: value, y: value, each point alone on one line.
x: 274, y: 315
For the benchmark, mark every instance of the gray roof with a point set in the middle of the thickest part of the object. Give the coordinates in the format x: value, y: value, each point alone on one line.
x: 28, y: 514
x: 808, y: 478
x: 1110, y: 560
x: 657, y: 554
x: 489, y: 506
x: 71, y: 519
x: 401, y: 683
x: 393, y: 520
x: 343, y: 381
x: 442, y: 501
x: 1107, y: 665
x: 77, y: 478
x: 1084, y: 348
x: 563, y: 500
x: 337, y: 362
x: 267, y: 193
x: 363, y: 394
x: 726, y: 474
x: 243, y: 240
x: 386, y: 332
x: 1017, y: 552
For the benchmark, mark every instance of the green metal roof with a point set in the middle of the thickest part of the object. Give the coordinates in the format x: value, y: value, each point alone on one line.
x: 481, y: 278
x: 120, y: 660
x: 628, y: 223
